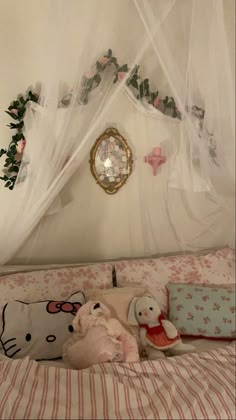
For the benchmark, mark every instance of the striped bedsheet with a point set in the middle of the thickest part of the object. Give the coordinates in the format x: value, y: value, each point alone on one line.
x: 194, y: 386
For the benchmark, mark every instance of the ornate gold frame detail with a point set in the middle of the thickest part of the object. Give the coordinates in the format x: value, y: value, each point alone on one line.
x: 112, y: 187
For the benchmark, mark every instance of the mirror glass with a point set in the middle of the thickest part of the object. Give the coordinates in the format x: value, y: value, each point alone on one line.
x: 111, y: 160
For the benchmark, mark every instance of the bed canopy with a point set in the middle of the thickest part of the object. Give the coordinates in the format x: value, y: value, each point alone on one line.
x: 172, y: 61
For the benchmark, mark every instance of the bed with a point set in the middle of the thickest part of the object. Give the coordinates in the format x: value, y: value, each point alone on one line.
x: 199, y: 385
x: 196, y: 386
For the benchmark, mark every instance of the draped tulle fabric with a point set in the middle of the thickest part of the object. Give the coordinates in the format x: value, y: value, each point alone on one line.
x: 183, y: 48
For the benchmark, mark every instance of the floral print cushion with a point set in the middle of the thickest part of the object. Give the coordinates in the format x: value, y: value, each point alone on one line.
x: 203, y: 311
x: 53, y: 284
x: 217, y: 267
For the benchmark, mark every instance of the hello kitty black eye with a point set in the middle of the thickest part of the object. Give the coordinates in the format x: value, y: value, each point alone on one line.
x: 28, y: 337
x: 140, y: 313
x: 70, y: 328
x: 151, y: 309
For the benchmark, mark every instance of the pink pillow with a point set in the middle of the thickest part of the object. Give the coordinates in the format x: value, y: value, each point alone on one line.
x: 216, y: 267
x: 54, y: 284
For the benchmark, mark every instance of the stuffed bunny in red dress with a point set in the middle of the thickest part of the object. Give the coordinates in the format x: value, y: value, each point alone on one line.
x: 157, y: 334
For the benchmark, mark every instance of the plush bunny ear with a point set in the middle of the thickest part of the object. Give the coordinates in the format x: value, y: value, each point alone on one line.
x: 132, y: 320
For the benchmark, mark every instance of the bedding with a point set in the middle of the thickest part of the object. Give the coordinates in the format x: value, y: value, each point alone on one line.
x: 199, y: 385
x: 193, y: 386
x: 216, y: 267
x: 204, y: 311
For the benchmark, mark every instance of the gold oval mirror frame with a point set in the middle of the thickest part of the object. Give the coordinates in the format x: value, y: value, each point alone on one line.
x: 111, y: 161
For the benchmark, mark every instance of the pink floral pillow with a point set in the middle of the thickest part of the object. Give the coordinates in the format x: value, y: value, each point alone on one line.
x: 53, y: 284
x: 217, y: 267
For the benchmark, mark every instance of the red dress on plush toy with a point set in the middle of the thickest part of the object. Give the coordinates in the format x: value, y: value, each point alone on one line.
x: 157, y: 335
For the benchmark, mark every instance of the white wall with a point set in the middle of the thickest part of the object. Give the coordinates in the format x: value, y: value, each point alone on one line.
x: 96, y: 226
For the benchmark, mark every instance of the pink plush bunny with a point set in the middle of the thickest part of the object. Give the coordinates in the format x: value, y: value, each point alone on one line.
x: 98, y: 338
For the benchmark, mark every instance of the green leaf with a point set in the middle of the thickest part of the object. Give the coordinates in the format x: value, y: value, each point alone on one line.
x: 13, y: 168
x: 141, y: 90
x: 3, y: 152
x: 99, y: 66
x: 7, y: 184
x: 15, y: 117
x: 17, y: 126
x: 123, y: 68
x: 146, y: 87
x: 97, y: 78
x: 134, y: 83
x: 113, y: 60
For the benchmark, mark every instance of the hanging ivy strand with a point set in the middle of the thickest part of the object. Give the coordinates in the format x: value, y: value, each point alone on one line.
x: 140, y: 87
x: 13, y: 154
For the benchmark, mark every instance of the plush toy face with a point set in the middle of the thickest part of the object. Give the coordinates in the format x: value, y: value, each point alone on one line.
x: 98, y: 309
x: 144, y: 310
x: 89, y: 313
x: 147, y: 310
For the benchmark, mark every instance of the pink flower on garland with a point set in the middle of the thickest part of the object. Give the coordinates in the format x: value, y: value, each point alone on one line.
x: 157, y: 101
x: 20, y: 146
x: 14, y: 111
x: 121, y: 75
x: 103, y: 60
x: 89, y: 75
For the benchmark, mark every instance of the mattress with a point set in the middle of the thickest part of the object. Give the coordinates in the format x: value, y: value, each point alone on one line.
x: 199, y: 385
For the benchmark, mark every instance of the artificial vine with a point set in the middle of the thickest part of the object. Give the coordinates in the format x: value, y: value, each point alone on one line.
x: 140, y: 87
x: 15, y: 149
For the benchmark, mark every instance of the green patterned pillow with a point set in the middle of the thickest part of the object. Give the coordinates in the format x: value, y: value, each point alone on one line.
x: 202, y: 311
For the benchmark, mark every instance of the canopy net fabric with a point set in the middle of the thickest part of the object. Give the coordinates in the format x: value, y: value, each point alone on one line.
x: 171, y: 61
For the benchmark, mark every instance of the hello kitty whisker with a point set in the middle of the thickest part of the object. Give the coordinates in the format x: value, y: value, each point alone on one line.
x: 9, y: 348
x: 14, y: 353
x: 10, y: 339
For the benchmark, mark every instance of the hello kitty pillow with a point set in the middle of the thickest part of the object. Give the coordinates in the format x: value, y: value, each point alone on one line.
x: 38, y: 329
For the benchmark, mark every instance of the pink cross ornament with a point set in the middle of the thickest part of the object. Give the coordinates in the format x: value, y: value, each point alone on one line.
x: 155, y: 159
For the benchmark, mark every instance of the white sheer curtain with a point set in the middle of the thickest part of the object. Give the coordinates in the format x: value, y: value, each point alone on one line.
x: 182, y: 46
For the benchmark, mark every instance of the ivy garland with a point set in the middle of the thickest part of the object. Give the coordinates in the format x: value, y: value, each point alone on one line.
x: 139, y: 87
x: 15, y: 149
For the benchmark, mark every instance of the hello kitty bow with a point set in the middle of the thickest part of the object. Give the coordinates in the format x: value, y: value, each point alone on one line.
x: 54, y: 307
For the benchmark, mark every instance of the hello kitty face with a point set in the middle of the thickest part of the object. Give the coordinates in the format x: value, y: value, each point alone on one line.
x: 147, y: 310
x: 39, y: 329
